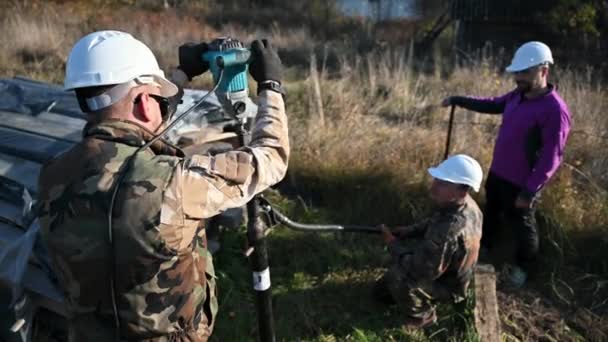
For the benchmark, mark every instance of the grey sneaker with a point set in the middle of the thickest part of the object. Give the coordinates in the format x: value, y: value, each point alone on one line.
x: 420, y: 322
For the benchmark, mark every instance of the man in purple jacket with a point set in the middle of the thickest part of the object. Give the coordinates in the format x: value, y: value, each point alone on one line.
x: 528, y: 150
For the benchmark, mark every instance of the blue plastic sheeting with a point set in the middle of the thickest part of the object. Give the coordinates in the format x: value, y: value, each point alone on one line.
x: 38, y: 121
x: 31, y: 146
x: 24, y: 260
x: 31, y: 97
x: 28, y: 97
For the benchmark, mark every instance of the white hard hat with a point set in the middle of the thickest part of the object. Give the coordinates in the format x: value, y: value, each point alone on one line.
x: 113, y: 57
x: 459, y: 169
x: 529, y: 55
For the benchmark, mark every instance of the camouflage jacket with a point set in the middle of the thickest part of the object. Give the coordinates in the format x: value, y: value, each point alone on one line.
x: 442, y: 248
x: 161, y: 265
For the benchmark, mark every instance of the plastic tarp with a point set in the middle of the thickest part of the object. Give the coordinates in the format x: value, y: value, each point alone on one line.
x: 21, y: 244
x: 25, y: 96
x: 28, y: 97
x: 24, y: 261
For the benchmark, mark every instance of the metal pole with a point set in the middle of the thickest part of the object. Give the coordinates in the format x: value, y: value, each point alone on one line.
x: 449, y: 137
x: 261, y: 272
x: 258, y: 260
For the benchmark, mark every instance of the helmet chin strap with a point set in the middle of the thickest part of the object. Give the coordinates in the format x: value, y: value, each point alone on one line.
x: 116, y: 93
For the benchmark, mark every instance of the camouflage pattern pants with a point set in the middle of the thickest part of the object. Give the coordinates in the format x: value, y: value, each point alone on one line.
x: 415, y: 301
x: 93, y: 328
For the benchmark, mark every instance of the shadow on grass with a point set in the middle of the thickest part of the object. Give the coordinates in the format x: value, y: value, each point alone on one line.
x: 322, y: 282
x: 322, y: 286
x: 333, y: 307
x: 366, y: 197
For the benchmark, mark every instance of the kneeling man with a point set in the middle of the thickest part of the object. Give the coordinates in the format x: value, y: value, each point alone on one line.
x: 433, y: 260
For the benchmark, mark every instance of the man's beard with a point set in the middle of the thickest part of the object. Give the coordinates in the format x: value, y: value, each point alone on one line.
x: 523, y: 86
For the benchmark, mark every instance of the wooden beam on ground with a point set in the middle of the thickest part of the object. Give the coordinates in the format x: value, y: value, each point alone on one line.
x: 487, y: 321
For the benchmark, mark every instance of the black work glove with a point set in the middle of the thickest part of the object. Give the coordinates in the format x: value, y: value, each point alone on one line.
x: 265, y: 64
x: 191, y: 59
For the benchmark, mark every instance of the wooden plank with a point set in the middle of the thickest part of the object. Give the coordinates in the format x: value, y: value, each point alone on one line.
x: 487, y: 321
x: 66, y: 130
x: 20, y: 170
x: 30, y: 146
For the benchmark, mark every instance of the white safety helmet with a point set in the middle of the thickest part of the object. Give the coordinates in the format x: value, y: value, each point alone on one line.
x: 529, y: 55
x: 113, y: 58
x: 459, y: 169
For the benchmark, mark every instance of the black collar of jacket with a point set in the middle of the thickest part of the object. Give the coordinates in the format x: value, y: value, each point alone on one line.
x: 550, y: 88
x: 129, y: 133
x: 452, y: 208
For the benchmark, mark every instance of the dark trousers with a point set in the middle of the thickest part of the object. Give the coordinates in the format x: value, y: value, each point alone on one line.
x: 500, y: 212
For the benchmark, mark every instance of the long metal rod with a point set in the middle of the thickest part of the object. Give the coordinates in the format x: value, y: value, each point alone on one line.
x: 258, y: 259
x: 449, y: 137
x: 323, y: 227
x: 260, y: 272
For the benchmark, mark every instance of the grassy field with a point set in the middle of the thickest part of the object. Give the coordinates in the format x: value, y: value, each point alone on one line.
x: 322, y: 289
x: 361, y: 146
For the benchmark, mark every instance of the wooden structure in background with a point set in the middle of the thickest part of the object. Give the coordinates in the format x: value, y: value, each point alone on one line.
x: 499, y: 23
x: 492, y: 25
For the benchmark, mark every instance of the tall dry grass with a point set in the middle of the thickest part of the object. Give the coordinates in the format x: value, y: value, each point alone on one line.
x: 37, y: 36
x: 364, y: 127
x: 366, y: 157
x: 378, y: 113
x: 382, y: 127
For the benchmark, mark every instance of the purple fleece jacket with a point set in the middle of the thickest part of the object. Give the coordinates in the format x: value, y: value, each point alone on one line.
x: 532, y: 137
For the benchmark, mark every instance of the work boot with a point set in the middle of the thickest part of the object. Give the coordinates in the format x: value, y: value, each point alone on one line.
x: 420, y: 322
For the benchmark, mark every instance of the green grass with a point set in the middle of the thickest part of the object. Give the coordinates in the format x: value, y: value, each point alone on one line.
x: 322, y: 286
x: 365, y: 165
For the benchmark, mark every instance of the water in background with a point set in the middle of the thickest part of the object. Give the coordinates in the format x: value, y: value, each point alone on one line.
x: 378, y: 9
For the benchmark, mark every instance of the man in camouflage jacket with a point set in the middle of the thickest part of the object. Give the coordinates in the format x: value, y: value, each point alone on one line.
x: 433, y: 260
x: 163, y: 286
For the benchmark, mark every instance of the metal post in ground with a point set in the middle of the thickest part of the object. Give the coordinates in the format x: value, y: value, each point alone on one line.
x: 449, y: 137
x: 258, y: 260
